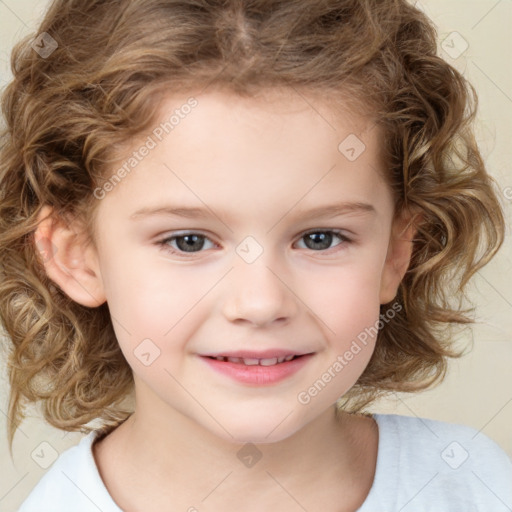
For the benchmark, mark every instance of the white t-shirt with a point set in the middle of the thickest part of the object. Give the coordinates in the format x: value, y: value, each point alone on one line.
x: 423, y: 465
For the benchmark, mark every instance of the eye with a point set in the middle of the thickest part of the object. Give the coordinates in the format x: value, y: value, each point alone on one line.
x: 191, y: 242
x: 184, y: 243
x: 321, y: 240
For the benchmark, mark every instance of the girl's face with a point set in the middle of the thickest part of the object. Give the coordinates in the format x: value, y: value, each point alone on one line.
x: 252, y: 230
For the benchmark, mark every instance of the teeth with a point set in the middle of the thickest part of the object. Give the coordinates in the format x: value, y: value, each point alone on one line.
x: 253, y: 362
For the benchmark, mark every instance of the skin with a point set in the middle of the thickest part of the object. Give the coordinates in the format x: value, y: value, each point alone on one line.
x: 258, y: 166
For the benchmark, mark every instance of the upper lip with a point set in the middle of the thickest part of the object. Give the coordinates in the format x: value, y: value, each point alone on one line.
x: 251, y: 354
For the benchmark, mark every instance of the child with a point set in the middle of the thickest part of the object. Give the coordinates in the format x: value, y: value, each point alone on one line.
x: 258, y: 131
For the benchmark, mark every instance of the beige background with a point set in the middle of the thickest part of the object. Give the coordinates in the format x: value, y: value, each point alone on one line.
x: 478, y: 390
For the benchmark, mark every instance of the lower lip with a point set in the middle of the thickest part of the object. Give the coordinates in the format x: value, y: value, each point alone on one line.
x: 257, y: 374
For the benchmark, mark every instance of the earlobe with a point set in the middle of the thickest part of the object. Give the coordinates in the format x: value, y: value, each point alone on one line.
x: 68, y: 261
x: 398, y: 256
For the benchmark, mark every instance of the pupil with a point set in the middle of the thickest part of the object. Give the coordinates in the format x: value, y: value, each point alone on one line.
x: 190, y: 242
x: 323, y: 238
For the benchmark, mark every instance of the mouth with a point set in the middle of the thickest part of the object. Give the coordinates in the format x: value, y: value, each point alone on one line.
x: 249, y: 361
x: 248, y: 368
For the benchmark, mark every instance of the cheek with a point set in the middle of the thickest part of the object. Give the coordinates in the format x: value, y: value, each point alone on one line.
x: 347, y: 297
x: 155, y: 303
x: 347, y: 303
x: 149, y: 298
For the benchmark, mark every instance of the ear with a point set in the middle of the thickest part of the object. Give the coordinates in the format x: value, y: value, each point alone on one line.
x: 398, y: 256
x: 68, y: 261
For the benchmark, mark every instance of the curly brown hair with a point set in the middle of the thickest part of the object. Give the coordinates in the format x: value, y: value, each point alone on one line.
x: 66, y: 113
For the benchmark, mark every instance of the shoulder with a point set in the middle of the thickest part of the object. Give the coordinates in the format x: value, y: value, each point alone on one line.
x: 72, y: 483
x: 458, y: 443
x: 441, y: 463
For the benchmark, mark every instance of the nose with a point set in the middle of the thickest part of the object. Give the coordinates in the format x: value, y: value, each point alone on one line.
x: 258, y: 295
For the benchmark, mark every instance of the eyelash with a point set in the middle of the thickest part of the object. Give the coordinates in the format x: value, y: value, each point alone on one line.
x: 164, y: 244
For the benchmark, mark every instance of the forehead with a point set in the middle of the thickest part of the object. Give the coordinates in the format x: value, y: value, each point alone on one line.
x: 311, y: 108
x: 274, y: 147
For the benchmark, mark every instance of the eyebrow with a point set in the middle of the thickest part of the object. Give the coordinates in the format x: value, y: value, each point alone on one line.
x: 332, y: 210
